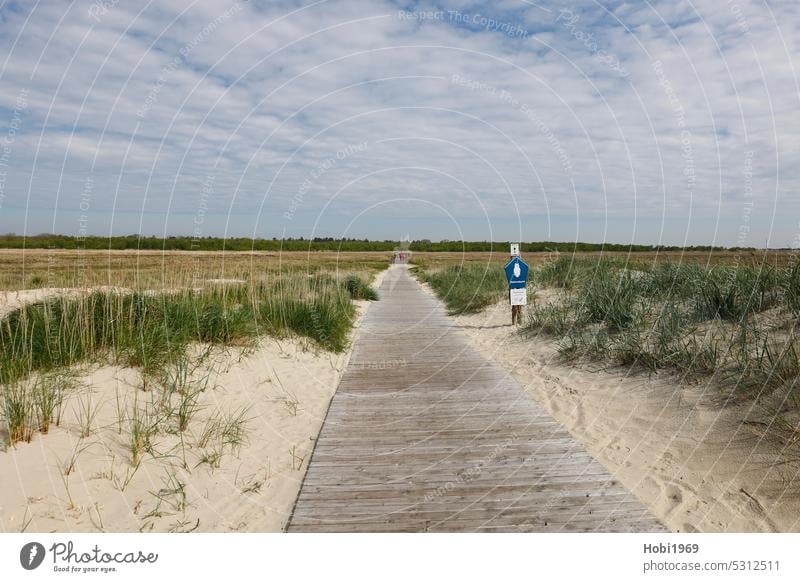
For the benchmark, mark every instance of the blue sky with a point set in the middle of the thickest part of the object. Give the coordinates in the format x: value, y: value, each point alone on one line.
x: 651, y: 122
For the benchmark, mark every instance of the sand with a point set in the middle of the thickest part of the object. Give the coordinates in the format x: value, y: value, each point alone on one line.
x: 687, y: 457
x: 285, y: 386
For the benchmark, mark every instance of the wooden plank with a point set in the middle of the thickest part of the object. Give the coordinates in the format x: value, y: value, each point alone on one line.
x: 424, y: 434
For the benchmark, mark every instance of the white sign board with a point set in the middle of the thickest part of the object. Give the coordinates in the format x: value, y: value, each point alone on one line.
x: 514, y: 250
x: 518, y: 296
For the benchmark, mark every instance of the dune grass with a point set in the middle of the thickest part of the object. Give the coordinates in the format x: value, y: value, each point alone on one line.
x: 152, y: 332
x: 466, y: 288
x: 660, y: 317
x: 731, y: 326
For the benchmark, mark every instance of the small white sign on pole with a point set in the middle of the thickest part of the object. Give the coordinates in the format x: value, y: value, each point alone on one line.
x: 514, y: 250
x: 518, y: 296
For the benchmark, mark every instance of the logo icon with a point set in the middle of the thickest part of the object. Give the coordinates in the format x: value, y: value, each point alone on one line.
x: 31, y: 555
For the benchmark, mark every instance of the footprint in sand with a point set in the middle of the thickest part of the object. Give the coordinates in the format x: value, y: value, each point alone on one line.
x: 674, y: 494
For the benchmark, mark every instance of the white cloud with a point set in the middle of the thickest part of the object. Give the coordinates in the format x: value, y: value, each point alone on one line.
x: 568, y: 129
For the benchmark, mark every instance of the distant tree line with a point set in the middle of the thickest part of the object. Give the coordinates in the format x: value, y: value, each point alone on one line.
x: 183, y: 243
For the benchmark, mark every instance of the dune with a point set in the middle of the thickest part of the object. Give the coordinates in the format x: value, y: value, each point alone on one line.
x: 66, y: 481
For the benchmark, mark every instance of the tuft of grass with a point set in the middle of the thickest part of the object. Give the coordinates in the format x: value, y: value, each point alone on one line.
x: 579, y: 344
x: 87, y: 414
x: 672, y: 281
x: 48, y: 398
x: 68, y: 465
x: 223, y: 431
x: 466, y: 288
x: 734, y: 293
x: 143, y: 427
x: 610, y: 299
x: 697, y: 357
x: 358, y: 288
x: 561, y: 273
x: 670, y: 326
x: 631, y: 349
x: 791, y: 289
x: 19, y: 412
x: 188, y: 407
x: 552, y: 319
x: 183, y: 381
x: 171, y: 498
x: 761, y: 364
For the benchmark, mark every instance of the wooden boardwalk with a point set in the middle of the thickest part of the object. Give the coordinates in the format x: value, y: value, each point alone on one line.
x: 425, y: 434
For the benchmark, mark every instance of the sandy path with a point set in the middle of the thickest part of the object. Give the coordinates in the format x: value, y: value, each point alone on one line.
x: 285, y: 385
x: 685, y: 456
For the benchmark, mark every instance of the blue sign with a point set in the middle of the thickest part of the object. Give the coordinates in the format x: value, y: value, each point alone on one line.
x: 516, y: 273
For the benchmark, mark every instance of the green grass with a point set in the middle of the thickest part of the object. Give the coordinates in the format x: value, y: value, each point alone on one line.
x: 674, y: 281
x: 791, y: 286
x: 359, y: 288
x: 610, y: 298
x: 555, y: 319
x: 679, y: 317
x: 734, y: 293
x: 153, y: 331
x: 466, y: 288
x: 562, y: 272
x: 18, y: 410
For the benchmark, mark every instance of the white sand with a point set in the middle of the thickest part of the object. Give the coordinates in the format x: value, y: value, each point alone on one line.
x: 285, y: 386
x: 683, y: 454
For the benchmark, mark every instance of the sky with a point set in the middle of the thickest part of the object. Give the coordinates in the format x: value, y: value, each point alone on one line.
x: 652, y: 122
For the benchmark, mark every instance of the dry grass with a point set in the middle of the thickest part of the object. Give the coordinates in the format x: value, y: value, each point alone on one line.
x: 145, y: 270
x: 744, y: 258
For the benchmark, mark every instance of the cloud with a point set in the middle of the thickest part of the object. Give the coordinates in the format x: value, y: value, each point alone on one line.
x: 666, y: 121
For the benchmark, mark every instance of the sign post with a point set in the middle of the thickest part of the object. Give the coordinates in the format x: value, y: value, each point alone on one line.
x: 517, y: 274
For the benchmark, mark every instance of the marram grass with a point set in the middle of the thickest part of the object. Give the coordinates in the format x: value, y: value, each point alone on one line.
x: 149, y: 331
